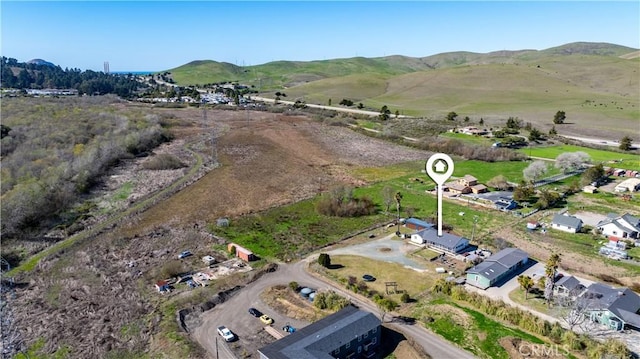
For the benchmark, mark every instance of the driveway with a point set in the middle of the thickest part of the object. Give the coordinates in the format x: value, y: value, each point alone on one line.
x: 590, y: 218
x: 233, y: 314
x: 387, y: 249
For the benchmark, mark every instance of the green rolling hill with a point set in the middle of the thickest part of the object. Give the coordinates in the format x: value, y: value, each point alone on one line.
x: 596, y: 84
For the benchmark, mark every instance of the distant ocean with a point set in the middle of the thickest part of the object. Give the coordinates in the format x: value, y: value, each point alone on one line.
x: 133, y: 72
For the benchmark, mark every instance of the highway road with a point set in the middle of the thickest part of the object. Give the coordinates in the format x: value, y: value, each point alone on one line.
x: 233, y: 314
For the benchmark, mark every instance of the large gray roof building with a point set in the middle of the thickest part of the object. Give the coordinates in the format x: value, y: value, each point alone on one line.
x: 497, y: 267
x: 348, y: 333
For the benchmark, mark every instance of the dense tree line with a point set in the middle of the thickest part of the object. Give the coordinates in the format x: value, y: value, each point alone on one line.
x: 20, y: 75
x: 55, y: 151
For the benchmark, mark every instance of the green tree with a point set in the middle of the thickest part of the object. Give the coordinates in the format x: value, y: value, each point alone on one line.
x: 451, y: 116
x: 346, y: 102
x: 384, y: 113
x: 626, y: 143
x: 535, y: 134
x: 526, y: 283
x: 553, y: 131
x: 592, y: 174
x: 523, y: 192
x: 547, y: 199
x: 329, y: 103
x: 385, y: 305
x: 397, y: 113
x: 559, y: 117
x: 324, y: 260
x: 481, y: 121
x: 514, y: 123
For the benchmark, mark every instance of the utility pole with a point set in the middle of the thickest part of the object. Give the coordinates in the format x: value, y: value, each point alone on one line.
x: 217, y: 357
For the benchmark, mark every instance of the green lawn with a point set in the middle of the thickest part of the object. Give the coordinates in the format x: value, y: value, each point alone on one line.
x: 628, y: 160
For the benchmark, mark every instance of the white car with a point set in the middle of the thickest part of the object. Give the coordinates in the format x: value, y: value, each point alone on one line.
x: 226, y: 334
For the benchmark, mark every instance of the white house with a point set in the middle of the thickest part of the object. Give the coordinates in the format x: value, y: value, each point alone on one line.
x: 447, y: 242
x: 625, y: 226
x: 566, y: 223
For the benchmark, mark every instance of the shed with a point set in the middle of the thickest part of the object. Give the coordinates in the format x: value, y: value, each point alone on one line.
x: 590, y: 189
x: 162, y: 286
x: 242, y: 253
x: 208, y: 260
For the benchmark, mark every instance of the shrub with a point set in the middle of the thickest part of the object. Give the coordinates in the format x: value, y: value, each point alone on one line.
x: 172, y: 269
x: 405, y: 298
x: 294, y: 286
x: 163, y: 161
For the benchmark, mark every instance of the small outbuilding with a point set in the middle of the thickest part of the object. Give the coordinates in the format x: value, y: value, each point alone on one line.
x: 241, y: 252
x: 162, y: 286
x: 208, y: 260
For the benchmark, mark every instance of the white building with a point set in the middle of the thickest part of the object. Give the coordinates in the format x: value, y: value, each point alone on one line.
x: 628, y: 185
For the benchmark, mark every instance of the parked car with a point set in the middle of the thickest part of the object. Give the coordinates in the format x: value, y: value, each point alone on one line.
x: 184, y: 254
x: 266, y: 319
x: 368, y: 278
x: 256, y: 313
x: 226, y: 334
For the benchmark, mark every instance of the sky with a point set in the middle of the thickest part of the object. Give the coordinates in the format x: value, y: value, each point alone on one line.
x: 160, y: 35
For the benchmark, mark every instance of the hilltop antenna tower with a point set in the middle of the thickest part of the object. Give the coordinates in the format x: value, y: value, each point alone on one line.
x: 106, y: 67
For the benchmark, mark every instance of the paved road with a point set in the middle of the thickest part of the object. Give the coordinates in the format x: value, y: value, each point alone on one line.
x: 333, y: 108
x: 233, y: 313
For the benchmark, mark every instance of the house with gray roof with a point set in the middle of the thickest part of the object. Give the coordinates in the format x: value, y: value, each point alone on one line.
x: 566, y: 223
x: 347, y: 334
x: 616, y: 308
x: 497, y: 268
x: 448, y: 242
x: 625, y: 226
x: 568, y: 286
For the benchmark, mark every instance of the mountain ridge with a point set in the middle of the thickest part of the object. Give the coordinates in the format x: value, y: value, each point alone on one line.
x: 210, y: 71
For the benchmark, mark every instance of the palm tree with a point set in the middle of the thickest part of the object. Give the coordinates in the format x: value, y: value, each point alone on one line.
x: 398, y: 200
x: 526, y: 283
x: 550, y: 273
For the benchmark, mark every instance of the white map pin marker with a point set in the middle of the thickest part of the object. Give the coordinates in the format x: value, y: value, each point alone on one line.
x: 439, y: 167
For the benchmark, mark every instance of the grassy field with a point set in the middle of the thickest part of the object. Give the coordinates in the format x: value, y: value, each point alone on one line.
x: 297, y: 229
x: 291, y: 231
x: 408, y: 280
x: 630, y: 161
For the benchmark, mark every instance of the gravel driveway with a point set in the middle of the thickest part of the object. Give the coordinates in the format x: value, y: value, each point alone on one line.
x: 388, y: 249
